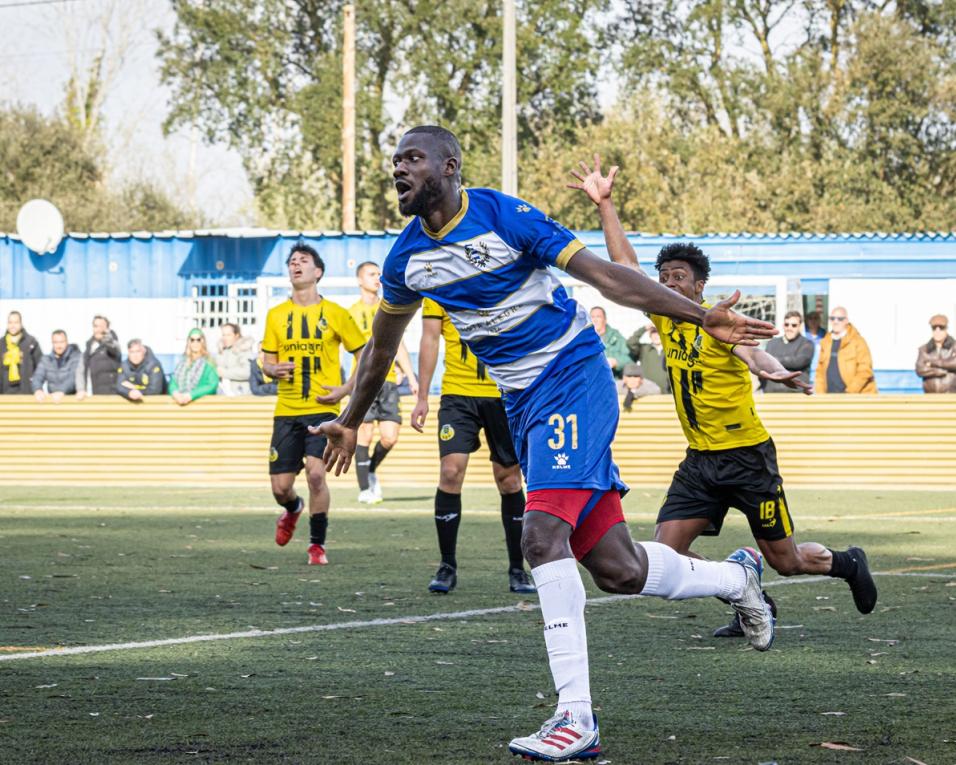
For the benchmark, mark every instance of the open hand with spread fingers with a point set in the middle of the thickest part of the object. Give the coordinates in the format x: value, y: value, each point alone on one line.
x: 596, y: 186
x: 340, y: 445
x: 731, y: 327
x: 790, y: 379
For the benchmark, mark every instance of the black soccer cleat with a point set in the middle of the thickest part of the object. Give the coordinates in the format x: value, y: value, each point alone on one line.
x: 861, y: 583
x: 734, y: 629
x: 445, y: 580
x: 520, y: 582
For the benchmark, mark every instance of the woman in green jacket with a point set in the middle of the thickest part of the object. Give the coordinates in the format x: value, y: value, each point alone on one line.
x: 195, y: 375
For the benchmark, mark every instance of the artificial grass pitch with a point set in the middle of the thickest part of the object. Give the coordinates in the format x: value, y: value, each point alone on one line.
x: 115, y: 566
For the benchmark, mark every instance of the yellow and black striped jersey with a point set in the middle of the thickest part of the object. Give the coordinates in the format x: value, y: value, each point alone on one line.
x: 364, y: 315
x: 309, y: 336
x: 464, y: 374
x: 712, y: 388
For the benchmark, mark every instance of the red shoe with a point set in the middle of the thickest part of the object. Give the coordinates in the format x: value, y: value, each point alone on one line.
x: 317, y: 556
x: 285, y: 525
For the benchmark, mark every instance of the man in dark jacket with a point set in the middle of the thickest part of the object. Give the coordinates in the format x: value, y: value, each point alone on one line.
x: 936, y: 362
x: 793, y: 350
x: 141, y: 374
x: 61, y: 370
x: 259, y: 383
x: 102, y: 358
x: 650, y: 355
x: 19, y: 355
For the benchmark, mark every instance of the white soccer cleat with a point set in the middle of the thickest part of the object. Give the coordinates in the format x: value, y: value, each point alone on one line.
x: 756, y: 619
x: 366, y: 497
x: 560, y: 739
x: 375, y: 487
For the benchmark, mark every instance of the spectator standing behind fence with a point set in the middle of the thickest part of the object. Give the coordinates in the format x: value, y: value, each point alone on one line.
x: 61, y: 370
x: 793, y: 350
x: 141, y: 374
x: 101, y: 358
x: 645, y: 347
x: 636, y: 385
x: 259, y: 382
x: 19, y: 356
x: 615, y: 346
x: 936, y: 362
x: 195, y: 375
x: 233, y: 360
x: 845, y: 364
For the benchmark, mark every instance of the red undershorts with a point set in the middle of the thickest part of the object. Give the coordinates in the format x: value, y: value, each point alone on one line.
x: 589, y: 512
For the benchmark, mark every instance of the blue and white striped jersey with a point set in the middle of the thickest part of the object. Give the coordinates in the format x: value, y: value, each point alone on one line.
x: 489, y: 269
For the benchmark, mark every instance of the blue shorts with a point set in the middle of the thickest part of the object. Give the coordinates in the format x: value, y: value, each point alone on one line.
x: 564, y: 424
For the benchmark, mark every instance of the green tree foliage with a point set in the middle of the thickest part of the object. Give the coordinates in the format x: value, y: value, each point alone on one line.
x: 763, y: 115
x: 51, y: 159
x: 265, y: 76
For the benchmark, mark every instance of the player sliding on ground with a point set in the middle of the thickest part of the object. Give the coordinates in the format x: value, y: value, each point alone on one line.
x: 731, y: 459
x: 485, y: 258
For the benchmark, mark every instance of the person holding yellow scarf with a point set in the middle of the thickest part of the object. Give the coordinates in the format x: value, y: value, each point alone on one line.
x: 19, y: 355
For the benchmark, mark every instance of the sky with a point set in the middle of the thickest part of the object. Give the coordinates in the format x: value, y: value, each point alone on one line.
x: 43, y: 39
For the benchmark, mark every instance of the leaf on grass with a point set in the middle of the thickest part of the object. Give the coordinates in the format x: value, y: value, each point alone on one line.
x: 881, y: 640
x: 539, y: 695
x: 879, y: 653
x: 50, y: 685
x: 895, y: 695
x: 177, y: 674
x: 701, y: 648
x: 871, y: 661
x: 656, y: 616
x: 251, y: 674
x: 824, y: 608
x: 331, y: 697
x: 311, y: 658
x: 94, y: 714
x: 914, y: 760
x: 389, y: 674
x: 840, y: 746
x: 346, y: 610
x: 523, y: 605
x: 259, y: 568
x: 834, y: 714
x: 446, y: 663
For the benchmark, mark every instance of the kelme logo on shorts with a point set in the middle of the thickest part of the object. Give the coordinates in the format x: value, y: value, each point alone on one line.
x: 273, y: 454
x: 446, y: 433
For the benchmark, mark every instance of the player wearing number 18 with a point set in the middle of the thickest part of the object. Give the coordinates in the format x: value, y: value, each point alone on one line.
x: 731, y: 460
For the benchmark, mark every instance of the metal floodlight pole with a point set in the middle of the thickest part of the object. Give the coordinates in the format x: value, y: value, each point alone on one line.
x: 348, y: 118
x: 509, y: 136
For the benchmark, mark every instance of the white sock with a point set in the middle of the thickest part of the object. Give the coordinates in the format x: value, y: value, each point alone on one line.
x: 561, y: 594
x: 677, y: 577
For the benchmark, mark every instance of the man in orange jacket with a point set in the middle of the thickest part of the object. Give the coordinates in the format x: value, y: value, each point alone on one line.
x: 845, y: 364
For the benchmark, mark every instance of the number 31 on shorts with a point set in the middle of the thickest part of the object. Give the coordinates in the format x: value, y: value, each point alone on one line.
x: 561, y: 426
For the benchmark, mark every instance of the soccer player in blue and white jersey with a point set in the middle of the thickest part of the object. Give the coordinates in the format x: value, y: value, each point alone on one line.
x: 486, y: 258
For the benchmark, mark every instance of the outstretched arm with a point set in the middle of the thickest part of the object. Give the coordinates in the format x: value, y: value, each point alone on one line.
x: 598, y: 188
x: 623, y: 282
x: 766, y: 367
x: 377, y: 358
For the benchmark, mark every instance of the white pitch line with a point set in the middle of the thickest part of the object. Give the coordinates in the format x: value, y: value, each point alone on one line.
x: 83, y: 649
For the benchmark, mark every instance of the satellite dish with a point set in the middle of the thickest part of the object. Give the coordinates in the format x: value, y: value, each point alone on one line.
x: 40, y: 226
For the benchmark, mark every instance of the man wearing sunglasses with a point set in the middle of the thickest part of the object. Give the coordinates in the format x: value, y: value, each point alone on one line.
x: 794, y: 351
x: 936, y: 362
x: 845, y: 364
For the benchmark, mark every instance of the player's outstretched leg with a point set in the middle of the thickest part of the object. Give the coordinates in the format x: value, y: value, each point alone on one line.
x: 284, y: 493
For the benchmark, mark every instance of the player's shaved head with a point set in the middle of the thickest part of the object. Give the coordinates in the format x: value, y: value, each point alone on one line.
x: 442, y: 139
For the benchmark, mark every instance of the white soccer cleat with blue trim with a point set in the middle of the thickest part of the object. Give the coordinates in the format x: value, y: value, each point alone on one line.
x: 756, y: 619
x: 560, y: 739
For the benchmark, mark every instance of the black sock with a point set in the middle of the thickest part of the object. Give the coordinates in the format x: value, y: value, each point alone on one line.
x: 447, y: 518
x: 843, y: 566
x: 512, y: 515
x: 361, y: 466
x: 292, y: 505
x: 318, y: 524
x: 378, y: 454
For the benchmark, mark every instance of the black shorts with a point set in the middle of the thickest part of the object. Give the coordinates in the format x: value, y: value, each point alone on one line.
x: 292, y: 442
x: 707, y: 484
x: 461, y: 417
x: 385, y: 406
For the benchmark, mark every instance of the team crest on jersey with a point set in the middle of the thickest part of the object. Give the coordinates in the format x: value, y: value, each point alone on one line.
x: 323, y: 324
x: 273, y: 454
x: 478, y: 254
x: 561, y: 462
x: 446, y: 433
